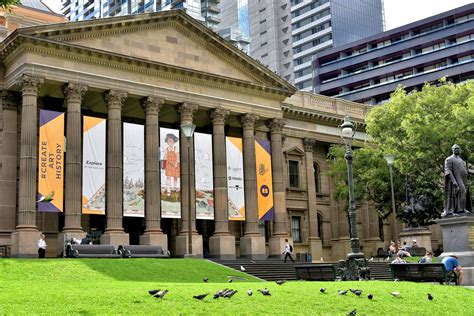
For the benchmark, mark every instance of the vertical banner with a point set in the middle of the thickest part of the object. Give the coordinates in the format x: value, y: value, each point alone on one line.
x: 170, y: 173
x: 133, y: 170
x: 93, y: 165
x: 204, y: 176
x: 263, y: 164
x: 51, y: 162
x: 235, y: 179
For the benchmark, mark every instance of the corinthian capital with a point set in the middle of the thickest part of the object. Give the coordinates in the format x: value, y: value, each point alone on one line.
x: 115, y: 98
x: 152, y: 105
x: 74, y: 91
x: 309, y: 144
x: 275, y: 125
x: 186, y: 110
x: 29, y: 84
x: 248, y: 120
x: 219, y: 116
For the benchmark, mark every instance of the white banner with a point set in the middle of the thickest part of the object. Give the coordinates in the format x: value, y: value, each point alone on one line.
x: 93, y: 166
x: 170, y: 173
x: 133, y: 170
x: 235, y: 178
x: 204, y: 176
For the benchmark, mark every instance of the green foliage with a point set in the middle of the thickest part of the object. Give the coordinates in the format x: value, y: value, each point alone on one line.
x: 120, y: 287
x: 420, y: 128
x: 6, y: 4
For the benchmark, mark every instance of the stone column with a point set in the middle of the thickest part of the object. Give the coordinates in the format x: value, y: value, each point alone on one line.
x: 186, y: 111
x: 73, y: 184
x: 222, y: 243
x: 153, y: 234
x: 280, y: 233
x: 252, y: 244
x: 315, y: 244
x: 114, y: 233
x: 26, y: 235
x: 9, y: 163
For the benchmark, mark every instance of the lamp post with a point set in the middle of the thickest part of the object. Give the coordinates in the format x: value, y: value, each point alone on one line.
x: 188, y: 131
x: 355, y: 266
x: 390, y: 159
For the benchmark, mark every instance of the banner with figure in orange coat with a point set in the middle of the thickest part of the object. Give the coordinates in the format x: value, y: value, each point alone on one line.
x: 51, y: 162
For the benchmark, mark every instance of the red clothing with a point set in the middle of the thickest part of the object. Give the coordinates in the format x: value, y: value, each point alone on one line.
x: 172, y: 164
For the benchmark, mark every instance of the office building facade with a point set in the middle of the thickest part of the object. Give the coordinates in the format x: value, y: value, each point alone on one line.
x: 369, y: 70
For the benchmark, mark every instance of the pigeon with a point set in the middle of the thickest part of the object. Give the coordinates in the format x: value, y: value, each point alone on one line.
x: 242, y: 268
x: 371, y: 259
x: 280, y: 282
x: 230, y: 294
x: 249, y: 292
x: 153, y: 292
x: 47, y: 198
x: 356, y: 292
x: 352, y: 313
x: 265, y: 292
x: 370, y: 296
x: 322, y: 290
x: 205, y: 279
x: 396, y: 294
x: 430, y: 297
x: 160, y: 294
x: 341, y: 292
x: 230, y: 280
x: 201, y: 296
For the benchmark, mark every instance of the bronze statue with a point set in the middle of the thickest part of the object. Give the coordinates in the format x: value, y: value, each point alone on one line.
x: 455, y: 184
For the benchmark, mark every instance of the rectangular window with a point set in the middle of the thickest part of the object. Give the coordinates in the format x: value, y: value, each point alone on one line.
x: 295, y: 228
x: 294, y: 173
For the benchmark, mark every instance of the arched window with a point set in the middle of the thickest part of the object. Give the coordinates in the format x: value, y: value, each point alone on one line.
x: 320, y: 227
x: 317, y: 177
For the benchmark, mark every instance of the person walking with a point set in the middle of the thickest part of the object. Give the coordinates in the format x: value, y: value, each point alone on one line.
x: 42, y: 247
x: 288, y: 251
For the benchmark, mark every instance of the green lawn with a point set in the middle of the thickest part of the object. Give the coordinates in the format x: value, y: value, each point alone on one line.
x: 107, y: 286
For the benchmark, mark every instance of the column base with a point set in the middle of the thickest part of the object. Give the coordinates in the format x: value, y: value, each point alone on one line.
x: 277, y: 246
x: 115, y: 238
x: 222, y: 247
x: 63, y: 237
x: 316, y: 249
x: 154, y: 239
x: 25, y: 243
x: 182, y: 246
x: 253, y: 247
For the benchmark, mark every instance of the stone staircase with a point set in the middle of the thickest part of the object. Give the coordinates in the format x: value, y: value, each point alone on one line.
x: 275, y: 269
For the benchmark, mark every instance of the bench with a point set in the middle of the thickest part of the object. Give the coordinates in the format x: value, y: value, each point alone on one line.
x: 422, y: 272
x: 91, y: 251
x: 417, y: 251
x: 143, y: 251
x: 382, y: 253
x: 316, y: 272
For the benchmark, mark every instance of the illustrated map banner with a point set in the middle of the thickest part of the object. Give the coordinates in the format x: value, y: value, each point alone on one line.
x: 235, y: 179
x: 204, y: 176
x: 263, y: 164
x: 170, y: 173
x: 133, y: 170
x: 93, y: 165
x: 51, y: 162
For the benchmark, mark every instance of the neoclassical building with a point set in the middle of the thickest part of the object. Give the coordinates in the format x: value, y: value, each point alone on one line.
x: 156, y: 72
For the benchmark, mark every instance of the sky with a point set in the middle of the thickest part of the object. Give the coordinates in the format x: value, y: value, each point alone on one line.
x: 397, y: 12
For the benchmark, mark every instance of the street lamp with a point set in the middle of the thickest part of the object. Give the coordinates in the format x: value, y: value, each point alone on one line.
x: 355, y: 267
x: 188, y: 131
x: 390, y: 159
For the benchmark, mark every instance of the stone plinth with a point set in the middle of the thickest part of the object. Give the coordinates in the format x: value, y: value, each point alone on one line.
x: 316, y: 249
x: 277, y: 246
x: 182, y: 245
x: 154, y: 239
x: 253, y: 247
x: 64, y: 237
x: 25, y: 244
x: 222, y: 247
x: 422, y: 235
x: 115, y: 238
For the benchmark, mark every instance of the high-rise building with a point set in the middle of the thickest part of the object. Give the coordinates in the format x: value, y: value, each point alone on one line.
x: 234, y: 23
x: 205, y: 11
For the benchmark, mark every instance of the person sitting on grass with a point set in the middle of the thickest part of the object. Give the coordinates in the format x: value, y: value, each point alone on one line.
x: 399, y: 259
x: 452, y: 266
x: 428, y: 258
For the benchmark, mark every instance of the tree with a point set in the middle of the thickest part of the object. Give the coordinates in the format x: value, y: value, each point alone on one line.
x: 420, y: 128
x: 6, y: 4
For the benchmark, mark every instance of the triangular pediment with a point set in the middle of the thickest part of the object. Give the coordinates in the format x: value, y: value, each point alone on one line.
x: 171, y: 38
x: 294, y: 151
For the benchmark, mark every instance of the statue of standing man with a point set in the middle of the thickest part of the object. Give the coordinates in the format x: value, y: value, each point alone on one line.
x: 455, y: 184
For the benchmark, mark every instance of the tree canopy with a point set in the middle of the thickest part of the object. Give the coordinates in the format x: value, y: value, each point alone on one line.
x: 6, y: 4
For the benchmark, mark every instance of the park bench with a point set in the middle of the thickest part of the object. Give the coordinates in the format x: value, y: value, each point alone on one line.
x: 91, y: 251
x: 316, y: 272
x: 382, y: 253
x: 417, y: 251
x: 143, y: 251
x: 422, y: 272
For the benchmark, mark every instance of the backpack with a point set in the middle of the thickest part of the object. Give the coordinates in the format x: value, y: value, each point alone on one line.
x: 291, y: 248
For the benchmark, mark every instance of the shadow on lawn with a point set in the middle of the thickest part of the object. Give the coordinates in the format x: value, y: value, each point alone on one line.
x: 165, y: 270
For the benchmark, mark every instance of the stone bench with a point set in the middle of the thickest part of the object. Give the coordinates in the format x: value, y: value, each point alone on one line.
x: 421, y: 272
x: 417, y: 251
x: 91, y: 251
x: 143, y: 251
x: 316, y: 272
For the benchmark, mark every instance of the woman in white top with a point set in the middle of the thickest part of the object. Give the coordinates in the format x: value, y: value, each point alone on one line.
x: 42, y: 247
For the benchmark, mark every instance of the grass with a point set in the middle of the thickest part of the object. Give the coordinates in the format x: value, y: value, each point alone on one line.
x: 111, y: 287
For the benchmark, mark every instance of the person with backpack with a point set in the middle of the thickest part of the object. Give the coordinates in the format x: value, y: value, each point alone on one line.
x: 288, y: 250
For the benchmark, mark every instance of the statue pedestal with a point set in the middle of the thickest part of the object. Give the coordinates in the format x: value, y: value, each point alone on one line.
x: 458, y: 239
x: 422, y: 235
